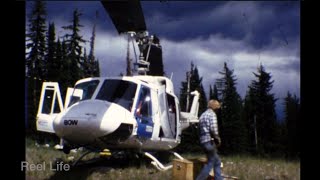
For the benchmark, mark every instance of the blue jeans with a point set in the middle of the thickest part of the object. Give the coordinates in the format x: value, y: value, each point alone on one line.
x: 213, y: 162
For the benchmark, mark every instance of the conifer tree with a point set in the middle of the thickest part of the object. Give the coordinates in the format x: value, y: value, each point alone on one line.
x: 195, y: 83
x: 61, y: 61
x: 53, y: 63
x: 213, y: 92
x: 96, y: 69
x: 65, y: 80
x: 36, y: 41
x: 74, y: 49
x: 86, y: 64
x: 93, y: 64
x: 35, y: 59
x: 292, y: 121
x: 190, y: 136
x: 248, y: 114
x: 264, y: 113
x: 232, y: 126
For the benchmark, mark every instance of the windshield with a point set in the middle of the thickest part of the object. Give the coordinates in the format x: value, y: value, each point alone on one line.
x: 83, y: 91
x: 118, y: 91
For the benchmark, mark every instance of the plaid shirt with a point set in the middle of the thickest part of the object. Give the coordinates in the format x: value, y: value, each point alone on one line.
x: 208, y: 125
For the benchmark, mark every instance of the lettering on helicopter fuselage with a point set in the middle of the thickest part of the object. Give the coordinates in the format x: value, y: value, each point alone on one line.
x: 70, y: 122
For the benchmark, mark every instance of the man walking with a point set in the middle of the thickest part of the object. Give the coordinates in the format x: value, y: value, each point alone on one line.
x: 208, y: 125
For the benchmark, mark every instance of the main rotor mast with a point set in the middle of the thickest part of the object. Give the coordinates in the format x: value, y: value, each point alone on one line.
x: 127, y: 16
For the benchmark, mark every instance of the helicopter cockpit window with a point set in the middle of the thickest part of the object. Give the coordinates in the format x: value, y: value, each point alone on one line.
x: 144, y: 103
x: 118, y: 91
x: 87, y: 89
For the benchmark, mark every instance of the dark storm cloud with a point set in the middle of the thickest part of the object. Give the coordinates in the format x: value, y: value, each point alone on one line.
x: 199, y: 20
x: 255, y: 22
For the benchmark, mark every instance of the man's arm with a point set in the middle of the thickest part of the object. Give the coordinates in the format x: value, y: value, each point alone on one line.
x: 214, y: 130
x: 214, y: 126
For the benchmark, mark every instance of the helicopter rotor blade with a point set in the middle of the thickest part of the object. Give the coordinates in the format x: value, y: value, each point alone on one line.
x: 126, y: 15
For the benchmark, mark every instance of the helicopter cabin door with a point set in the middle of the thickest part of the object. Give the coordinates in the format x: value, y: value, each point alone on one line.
x: 143, y: 113
x: 50, y: 106
x: 167, y: 129
x: 172, y: 115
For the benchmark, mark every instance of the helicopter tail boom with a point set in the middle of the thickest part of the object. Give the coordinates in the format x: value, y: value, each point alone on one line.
x: 191, y: 117
x: 195, y: 103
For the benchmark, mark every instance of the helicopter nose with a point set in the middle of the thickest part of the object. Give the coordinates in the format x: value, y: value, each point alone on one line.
x: 82, y: 123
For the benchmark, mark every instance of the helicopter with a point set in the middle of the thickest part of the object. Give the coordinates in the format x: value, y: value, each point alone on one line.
x: 138, y: 113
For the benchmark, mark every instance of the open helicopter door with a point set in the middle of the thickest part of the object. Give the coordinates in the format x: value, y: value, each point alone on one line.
x: 50, y: 105
x: 143, y: 113
x: 165, y: 126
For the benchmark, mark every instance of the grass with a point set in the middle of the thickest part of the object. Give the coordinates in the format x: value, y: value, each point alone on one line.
x: 254, y: 168
x: 244, y: 167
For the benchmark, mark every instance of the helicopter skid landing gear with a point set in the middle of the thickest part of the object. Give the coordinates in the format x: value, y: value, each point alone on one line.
x: 157, y: 164
x: 83, y: 155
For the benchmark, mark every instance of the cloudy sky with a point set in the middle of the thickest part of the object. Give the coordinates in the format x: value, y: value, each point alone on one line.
x: 244, y: 34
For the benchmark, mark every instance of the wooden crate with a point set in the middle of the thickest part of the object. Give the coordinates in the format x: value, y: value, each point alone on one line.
x: 186, y: 169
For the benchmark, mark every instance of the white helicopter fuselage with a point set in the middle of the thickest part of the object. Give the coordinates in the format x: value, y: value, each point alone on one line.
x: 138, y: 112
